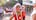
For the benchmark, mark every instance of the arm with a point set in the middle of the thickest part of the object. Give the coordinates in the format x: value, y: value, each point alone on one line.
x: 10, y: 17
x: 34, y: 17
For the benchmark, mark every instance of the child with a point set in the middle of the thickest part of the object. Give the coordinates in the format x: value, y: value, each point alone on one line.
x: 23, y: 12
x: 16, y: 12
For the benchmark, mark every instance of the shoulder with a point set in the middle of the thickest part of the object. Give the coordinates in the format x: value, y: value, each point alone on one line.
x: 34, y: 12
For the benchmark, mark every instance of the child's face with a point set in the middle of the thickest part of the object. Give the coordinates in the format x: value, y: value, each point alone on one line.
x: 18, y: 8
x: 23, y: 7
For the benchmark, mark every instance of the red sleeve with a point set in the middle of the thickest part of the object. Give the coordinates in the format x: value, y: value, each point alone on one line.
x: 23, y: 13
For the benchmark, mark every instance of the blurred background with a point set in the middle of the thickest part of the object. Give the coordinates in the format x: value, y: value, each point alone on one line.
x: 8, y: 5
